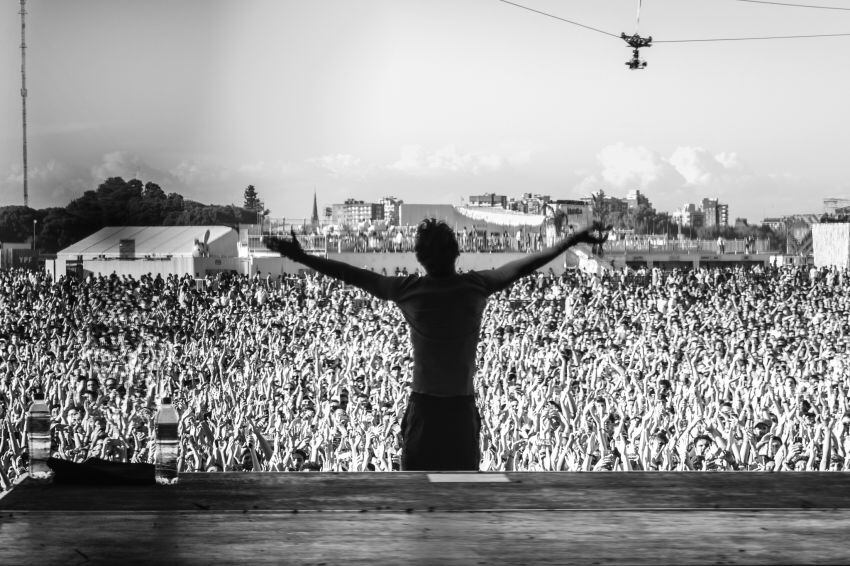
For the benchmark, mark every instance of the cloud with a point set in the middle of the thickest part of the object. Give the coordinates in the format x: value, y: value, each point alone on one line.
x: 194, y: 179
x: 635, y: 167
x: 587, y: 184
x: 414, y: 160
x: 341, y: 165
x: 200, y: 172
x: 729, y: 160
x: 520, y: 157
x: 49, y: 184
x: 699, y: 167
x: 692, y: 173
x: 128, y: 166
x: 57, y: 183
x: 37, y: 173
x: 687, y: 168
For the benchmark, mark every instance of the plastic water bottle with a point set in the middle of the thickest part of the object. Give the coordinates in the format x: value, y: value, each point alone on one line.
x: 39, y: 437
x: 167, y: 443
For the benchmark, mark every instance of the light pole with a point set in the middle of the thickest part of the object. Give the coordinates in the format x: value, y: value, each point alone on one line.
x: 34, y: 222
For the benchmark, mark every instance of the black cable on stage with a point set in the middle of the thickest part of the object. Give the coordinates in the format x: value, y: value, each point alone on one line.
x: 560, y: 18
x: 795, y: 5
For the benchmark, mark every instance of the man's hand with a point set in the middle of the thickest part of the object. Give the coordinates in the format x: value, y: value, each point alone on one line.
x: 287, y: 248
x: 596, y: 233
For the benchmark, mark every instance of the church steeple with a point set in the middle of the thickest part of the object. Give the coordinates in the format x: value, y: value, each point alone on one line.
x: 314, y: 220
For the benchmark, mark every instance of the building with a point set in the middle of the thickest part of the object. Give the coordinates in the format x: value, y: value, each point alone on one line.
x: 411, y: 214
x: 469, y: 217
x: 530, y: 203
x: 775, y: 223
x: 18, y: 254
x: 797, y: 219
x: 709, y: 213
x: 689, y: 216
x: 796, y: 222
x: 715, y: 213
x: 314, y: 218
x: 489, y: 199
x: 832, y: 204
x: 391, y: 207
x: 164, y: 250
x: 578, y: 213
x: 831, y: 244
x: 635, y: 199
x: 607, y: 206
x: 354, y: 212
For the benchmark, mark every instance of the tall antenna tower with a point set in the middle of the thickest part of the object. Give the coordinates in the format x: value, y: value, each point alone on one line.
x: 24, y: 92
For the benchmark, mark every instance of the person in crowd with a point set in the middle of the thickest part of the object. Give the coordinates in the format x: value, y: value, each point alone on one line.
x: 721, y: 360
x: 441, y: 426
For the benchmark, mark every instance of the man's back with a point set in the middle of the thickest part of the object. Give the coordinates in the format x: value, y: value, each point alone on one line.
x: 444, y: 314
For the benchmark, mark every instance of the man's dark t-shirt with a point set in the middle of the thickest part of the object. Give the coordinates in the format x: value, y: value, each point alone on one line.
x: 444, y: 315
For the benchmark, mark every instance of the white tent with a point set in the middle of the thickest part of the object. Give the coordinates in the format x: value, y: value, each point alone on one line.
x: 153, y: 241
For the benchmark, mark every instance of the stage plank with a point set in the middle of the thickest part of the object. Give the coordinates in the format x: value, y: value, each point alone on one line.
x: 401, y: 491
x: 541, y: 518
x: 522, y: 537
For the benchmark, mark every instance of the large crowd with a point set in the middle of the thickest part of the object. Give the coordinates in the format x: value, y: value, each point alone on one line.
x: 473, y: 239
x: 720, y: 369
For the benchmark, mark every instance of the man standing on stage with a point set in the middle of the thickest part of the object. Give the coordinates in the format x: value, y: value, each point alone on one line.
x: 441, y: 426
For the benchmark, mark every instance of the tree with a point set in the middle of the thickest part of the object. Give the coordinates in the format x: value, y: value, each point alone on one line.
x: 767, y: 233
x: 57, y: 230
x: 560, y: 221
x: 115, y: 202
x: 252, y: 200
x: 153, y: 191
x: 662, y: 223
x: 644, y: 217
x: 16, y: 223
x: 620, y: 220
x: 599, y: 206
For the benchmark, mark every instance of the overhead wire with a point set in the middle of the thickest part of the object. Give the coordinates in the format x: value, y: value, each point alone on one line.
x: 708, y: 39
x: 795, y: 5
x: 637, y: 18
x: 702, y: 40
x: 560, y: 18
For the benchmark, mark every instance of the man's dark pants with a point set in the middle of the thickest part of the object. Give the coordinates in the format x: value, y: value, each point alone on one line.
x: 441, y: 433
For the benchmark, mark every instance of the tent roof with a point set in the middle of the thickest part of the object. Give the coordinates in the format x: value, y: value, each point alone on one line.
x: 148, y: 239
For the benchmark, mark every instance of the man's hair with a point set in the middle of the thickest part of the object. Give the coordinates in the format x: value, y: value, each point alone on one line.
x: 436, y: 247
x: 705, y: 437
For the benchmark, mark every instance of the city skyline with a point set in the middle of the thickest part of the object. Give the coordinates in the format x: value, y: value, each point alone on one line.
x: 630, y: 201
x: 428, y: 101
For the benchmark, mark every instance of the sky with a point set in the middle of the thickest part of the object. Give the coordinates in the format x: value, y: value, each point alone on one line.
x: 429, y: 101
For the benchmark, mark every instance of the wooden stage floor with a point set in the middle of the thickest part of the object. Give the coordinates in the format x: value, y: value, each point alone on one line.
x: 419, y: 518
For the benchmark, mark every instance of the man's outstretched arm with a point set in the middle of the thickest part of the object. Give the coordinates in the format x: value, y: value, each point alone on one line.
x: 517, y: 269
x: 377, y: 285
